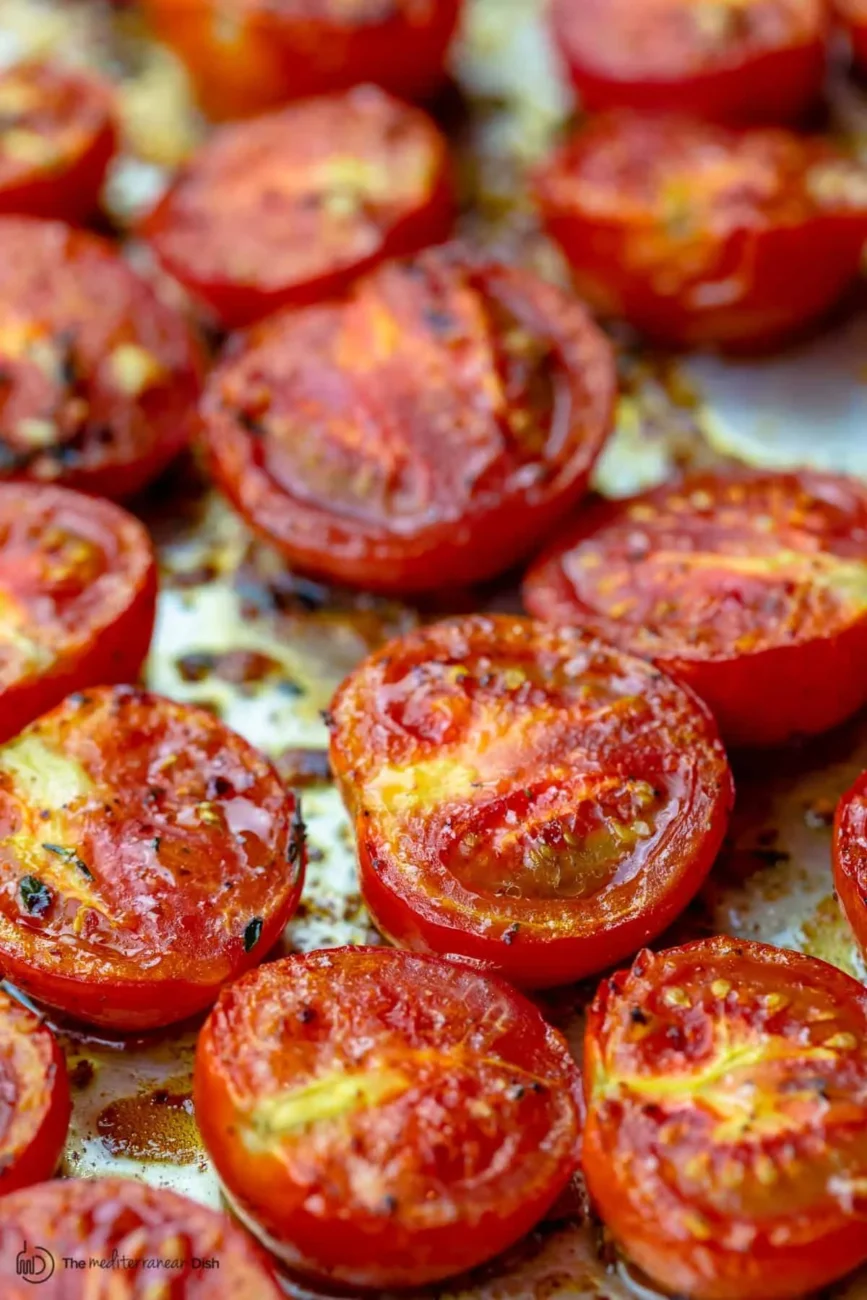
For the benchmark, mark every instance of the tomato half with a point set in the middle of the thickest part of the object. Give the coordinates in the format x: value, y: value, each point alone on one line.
x: 726, y: 1138
x: 854, y: 15
x: 752, y: 588
x: 98, y: 377
x: 88, y: 1238
x: 246, y: 56
x: 78, y: 585
x: 729, y: 60
x: 697, y: 234
x: 57, y: 137
x: 147, y: 855
x: 385, y: 1119
x: 526, y: 796
x: 427, y: 432
x: 290, y: 208
x: 35, y: 1097
x: 850, y: 858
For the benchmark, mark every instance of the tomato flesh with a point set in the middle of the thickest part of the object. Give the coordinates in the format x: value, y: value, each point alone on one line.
x: 34, y: 1097
x: 850, y: 858
x: 726, y: 1138
x: 147, y: 855
x: 526, y: 797
x: 385, y: 1119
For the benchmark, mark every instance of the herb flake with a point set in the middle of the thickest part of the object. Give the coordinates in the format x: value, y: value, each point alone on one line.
x: 252, y: 934
x: 35, y: 895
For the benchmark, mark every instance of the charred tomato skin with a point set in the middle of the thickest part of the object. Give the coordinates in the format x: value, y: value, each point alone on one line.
x: 850, y: 858
x: 426, y: 432
x: 36, y: 1097
x: 513, y: 790
x: 764, y: 61
x: 774, y: 643
x: 385, y: 1119
x: 148, y: 855
x: 78, y: 587
x: 726, y: 1087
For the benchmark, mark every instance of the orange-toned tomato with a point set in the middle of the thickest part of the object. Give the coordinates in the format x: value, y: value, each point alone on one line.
x: 290, y: 208
x: 35, y: 1106
x: 752, y: 588
x: 98, y: 378
x: 850, y: 858
x: 246, y: 56
x: 85, y: 1239
x: 726, y: 1138
x: 385, y: 1119
x: 57, y: 137
x: 526, y: 796
x: 78, y: 584
x: 697, y: 234
x: 427, y: 432
x: 729, y: 60
x: 147, y: 856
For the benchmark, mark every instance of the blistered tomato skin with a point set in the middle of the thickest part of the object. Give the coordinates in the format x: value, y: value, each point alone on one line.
x: 289, y: 208
x: 726, y: 1137
x: 36, y: 1101
x: 167, y: 1239
x: 752, y: 588
x: 99, y: 379
x: 247, y: 56
x: 78, y: 586
x: 525, y: 796
x: 385, y: 1119
x: 701, y: 235
x: 148, y: 855
x: 426, y: 432
x: 726, y: 60
x: 850, y: 858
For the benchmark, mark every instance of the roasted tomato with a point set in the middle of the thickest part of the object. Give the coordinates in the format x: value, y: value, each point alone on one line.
x: 78, y: 584
x: 854, y: 15
x: 151, y: 1242
x: 751, y: 588
x: 726, y: 1139
x: 697, y: 234
x: 427, y: 432
x: 850, y: 859
x: 526, y: 797
x: 729, y: 60
x: 246, y: 56
x: 290, y: 208
x: 98, y: 378
x: 147, y: 855
x: 385, y: 1119
x: 36, y: 1101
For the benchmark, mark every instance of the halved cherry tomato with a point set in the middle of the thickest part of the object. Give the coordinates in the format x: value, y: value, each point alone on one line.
x: 35, y: 1097
x: 147, y: 855
x: 57, y: 137
x: 246, y: 56
x: 850, y: 859
x: 698, y: 234
x: 290, y: 208
x: 385, y: 1119
x: 854, y: 15
x: 78, y: 585
x: 111, y: 1237
x: 729, y: 60
x: 428, y: 431
x: 526, y: 796
x: 752, y: 588
x: 726, y: 1139
x: 98, y: 378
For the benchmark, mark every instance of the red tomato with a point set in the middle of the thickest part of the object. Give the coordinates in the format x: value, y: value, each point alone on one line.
x: 525, y: 796
x: 78, y: 585
x: 98, y: 378
x: 751, y: 588
x: 850, y: 859
x: 246, y: 56
x: 726, y: 1138
x: 57, y: 137
x: 145, y: 1242
x: 147, y: 855
x: 427, y: 432
x: 697, y: 234
x: 729, y: 60
x: 854, y: 15
x: 290, y: 208
x: 36, y: 1104
x: 385, y: 1119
